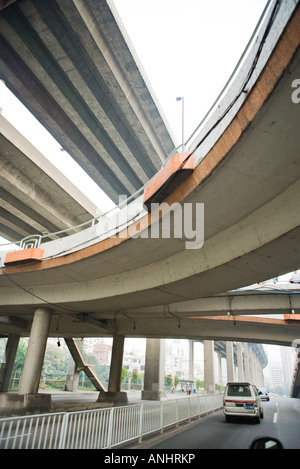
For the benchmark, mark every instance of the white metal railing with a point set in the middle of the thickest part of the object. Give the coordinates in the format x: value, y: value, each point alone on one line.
x: 101, y: 428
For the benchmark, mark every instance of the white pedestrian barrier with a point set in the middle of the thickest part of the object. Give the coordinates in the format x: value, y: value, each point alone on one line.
x: 101, y: 428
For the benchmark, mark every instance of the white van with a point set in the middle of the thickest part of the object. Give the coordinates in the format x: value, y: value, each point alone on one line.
x: 241, y: 399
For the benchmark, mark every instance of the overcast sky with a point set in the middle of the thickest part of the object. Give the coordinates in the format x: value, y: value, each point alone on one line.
x: 189, y: 48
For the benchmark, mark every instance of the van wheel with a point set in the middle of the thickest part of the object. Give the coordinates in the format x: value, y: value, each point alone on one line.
x: 227, y: 418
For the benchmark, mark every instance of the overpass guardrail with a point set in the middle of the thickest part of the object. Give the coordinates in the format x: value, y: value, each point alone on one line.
x: 102, y: 428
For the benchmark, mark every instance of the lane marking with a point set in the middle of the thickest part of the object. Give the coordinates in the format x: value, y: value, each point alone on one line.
x: 275, y: 417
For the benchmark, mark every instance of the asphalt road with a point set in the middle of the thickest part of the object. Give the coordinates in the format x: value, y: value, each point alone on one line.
x: 281, y: 420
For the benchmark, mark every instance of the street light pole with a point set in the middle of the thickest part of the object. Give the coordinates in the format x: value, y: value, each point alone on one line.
x: 181, y: 98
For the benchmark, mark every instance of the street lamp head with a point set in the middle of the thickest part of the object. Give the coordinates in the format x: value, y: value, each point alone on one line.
x: 179, y: 98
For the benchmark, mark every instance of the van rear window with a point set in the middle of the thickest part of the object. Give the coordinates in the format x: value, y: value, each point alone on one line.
x: 236, y: 390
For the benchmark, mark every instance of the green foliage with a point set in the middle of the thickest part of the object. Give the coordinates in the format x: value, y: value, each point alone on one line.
x: 124, y: 376
x: 199, y: 384
x: 55, y: 362
x: 176, y: 381
x: 168, y: 380
x: 134, y: 376
x: 21, y: 354
x: 219, y: 387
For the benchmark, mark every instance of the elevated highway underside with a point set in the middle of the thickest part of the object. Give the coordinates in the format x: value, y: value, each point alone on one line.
x: 249, y: 184
x: 35, y: 197
x: 72, y: 65
x: 239, y: 316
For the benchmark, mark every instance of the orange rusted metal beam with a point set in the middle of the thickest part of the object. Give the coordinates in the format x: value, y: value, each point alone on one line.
x: 176, y: 170
x: 24, y: 256
x: 253, y: 319
x: 292, y: 317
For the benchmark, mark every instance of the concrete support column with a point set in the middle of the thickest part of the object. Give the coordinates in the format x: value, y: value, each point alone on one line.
x: 220, y: 378
x: 240, y: 361
x: 259, y: 372
x: 30, y: 378
x: 72, y: 378
x: 261, y: 375
x: 154, y: 370
x: 262, y: 379
x: 209, y: 373
x: 252, y: 366
x: 247, y: 363
x: 230, y: 361
x: 114, y: 393
x: 251, y: 362
x: 28, y: 399
x: 191, y: 360
x: 115, y: 375
x: 8, y: 361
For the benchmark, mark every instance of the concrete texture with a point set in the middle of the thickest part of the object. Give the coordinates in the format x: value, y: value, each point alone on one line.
x: 82, y: 80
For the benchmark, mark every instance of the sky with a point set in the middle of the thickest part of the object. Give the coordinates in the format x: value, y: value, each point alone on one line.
x: 28, y: 125
x: 189, y: 49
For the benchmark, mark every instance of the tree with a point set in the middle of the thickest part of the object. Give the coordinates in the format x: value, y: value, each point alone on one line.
x: 168, y: 380
x: 55, y: 362
x: 125, y: 374
x: 134, y: 376
x: 199, y: 383
x: 219, y: 387
x: 20, y: 356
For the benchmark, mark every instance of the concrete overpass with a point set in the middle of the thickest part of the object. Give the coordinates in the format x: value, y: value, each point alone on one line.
x: 35, y: 197
x: 246, y: 173
x: 73, y: 66
x: 231, y: 316
x: 251, y: 225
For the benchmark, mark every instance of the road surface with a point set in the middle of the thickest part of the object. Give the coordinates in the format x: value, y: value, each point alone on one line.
x: 281, y: 420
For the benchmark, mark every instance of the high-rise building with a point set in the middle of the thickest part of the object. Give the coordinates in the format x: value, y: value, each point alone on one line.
x: 287, y: 359
x: 102, y: 352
